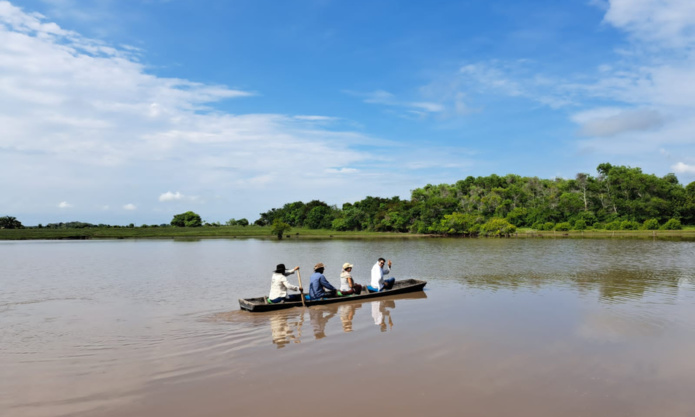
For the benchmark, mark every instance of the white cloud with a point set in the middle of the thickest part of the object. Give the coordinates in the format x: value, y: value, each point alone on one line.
x: 169, y: 196
x: 64, y: 205
x: 682, y: 168
x: 129, y: 206
x: 90, y: 120
x: 314, y: 118
x: 614, y: 121
x: 177, y: 196
x: 666, y: 22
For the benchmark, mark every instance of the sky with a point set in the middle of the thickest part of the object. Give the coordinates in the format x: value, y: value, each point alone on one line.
x: 119, y: 112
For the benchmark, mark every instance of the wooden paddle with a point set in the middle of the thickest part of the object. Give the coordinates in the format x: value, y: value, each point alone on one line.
x: 301, y: 293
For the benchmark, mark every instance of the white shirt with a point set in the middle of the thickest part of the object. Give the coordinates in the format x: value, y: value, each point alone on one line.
x: 279, y: 285
x: 344, y: 285
x: 378, y: 275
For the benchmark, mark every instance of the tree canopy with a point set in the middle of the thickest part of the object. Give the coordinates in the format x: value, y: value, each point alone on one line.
x: 187, y: 219
x: 616, y: 195
x: 9, y: 222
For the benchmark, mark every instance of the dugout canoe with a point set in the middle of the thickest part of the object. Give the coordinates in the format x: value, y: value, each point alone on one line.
x: 403, y: 286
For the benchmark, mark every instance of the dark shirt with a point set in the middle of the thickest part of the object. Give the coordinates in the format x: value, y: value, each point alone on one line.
x: 318, y: 285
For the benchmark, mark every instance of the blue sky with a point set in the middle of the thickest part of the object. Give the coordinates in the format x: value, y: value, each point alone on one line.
x: 132, y: 111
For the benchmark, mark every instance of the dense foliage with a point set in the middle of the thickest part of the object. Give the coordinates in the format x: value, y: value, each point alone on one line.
x: 234, y: 222
x: 9, y: 222
x: 618, y: 198
x: 278, y: 228
x: 187, y: 219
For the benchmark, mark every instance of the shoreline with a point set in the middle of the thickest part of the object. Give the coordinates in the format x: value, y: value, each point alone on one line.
x: 258, y: 232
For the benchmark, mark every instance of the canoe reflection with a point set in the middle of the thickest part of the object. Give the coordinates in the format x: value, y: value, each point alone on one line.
x: 286, y: 325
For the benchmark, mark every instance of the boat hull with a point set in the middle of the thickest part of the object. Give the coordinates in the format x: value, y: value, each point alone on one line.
x: 258, y: 304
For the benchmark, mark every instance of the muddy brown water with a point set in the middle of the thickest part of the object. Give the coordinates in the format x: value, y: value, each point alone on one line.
x: 505, y: 327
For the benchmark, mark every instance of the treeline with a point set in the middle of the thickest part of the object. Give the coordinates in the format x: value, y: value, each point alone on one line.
x: 618, y: 197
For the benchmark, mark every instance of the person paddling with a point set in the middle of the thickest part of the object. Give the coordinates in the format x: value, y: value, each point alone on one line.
x: 378, y: 271
x: 279, y: 285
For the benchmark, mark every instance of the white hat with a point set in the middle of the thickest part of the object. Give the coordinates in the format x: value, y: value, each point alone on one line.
x: 347, y: 265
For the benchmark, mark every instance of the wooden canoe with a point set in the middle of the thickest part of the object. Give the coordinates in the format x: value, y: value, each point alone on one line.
x: 259, y: 304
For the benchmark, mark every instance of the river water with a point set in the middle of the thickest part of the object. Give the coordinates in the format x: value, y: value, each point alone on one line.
x: 522, y: 327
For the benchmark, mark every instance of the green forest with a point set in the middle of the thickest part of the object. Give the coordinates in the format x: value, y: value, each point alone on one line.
x: 617, y: 198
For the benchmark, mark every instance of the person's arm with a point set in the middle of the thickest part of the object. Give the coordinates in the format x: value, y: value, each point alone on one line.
x: 350, y: 282
x: 289, y: 286
x: 326, y: 284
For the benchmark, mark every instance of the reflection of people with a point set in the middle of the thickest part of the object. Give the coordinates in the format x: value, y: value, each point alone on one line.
x: 378, y: 271
x: 279, y: 285
x: 380, y: 313
x: 282, y: 329
x: 320, y: 287
x: 347, y: 313
x: 347, y: 284
x: 319, y: 321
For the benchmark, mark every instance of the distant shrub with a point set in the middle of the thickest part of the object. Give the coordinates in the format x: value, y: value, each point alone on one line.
x: 613, y: 225
x: 497, y: 227
x: 599, y: 226
x: 419, y: 227
x: 580, y: 225
x: 340, y: 225
x: 672, y: 224
x: 629, y: 225
x: 537, y: 226
x: 588, y: 216
x: 650, y: 224
x: 563, y: 227
x: 548, y: 226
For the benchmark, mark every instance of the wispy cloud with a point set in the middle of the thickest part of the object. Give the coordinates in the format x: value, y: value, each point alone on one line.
x: 614, y: 121
x: 64, y: 205
x: 668, y: 23
x: 638, y: 103
x: 385, y: 98
x: 130, y: 207
x: 90, y: 120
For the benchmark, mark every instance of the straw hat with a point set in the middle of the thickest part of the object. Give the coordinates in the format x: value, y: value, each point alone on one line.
x: 319, y: 266
x: 347, y: 265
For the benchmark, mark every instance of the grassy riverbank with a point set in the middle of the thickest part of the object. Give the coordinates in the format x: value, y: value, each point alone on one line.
x: 179, y: 232
x: 687, y: 232
x: 297, y: 233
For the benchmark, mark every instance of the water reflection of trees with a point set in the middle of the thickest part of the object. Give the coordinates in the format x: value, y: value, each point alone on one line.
x: 612, y: 285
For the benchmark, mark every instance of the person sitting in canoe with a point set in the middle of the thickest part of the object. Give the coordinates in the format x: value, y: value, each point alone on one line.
x: 279, y: 285
x: 347, y: 284
x: 320, y: 287
x: 378, y: 271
